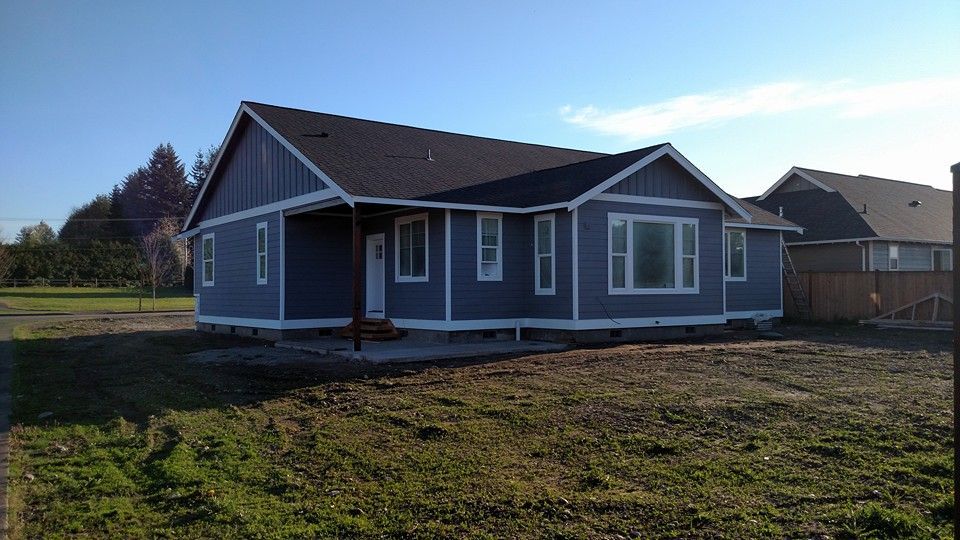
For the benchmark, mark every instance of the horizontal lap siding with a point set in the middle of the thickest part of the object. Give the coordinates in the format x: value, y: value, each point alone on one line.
x: 257, y: 171
x: 411, y: 300
x: 507, y: 299
x: 559, y: 305
x: 235, y: 292
x: 761, y: 291
x: 596, y: 303
x: 319, y: 267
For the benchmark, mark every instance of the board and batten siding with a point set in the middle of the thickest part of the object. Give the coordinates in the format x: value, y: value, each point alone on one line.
x: 761, y: 290
x: 663, y: 178
x: 257, y: 170
x: 596, y: 303
x: 319, y: 281
x: 235, y: 292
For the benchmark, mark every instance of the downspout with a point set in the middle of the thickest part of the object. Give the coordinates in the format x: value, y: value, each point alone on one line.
x: 863, y: 256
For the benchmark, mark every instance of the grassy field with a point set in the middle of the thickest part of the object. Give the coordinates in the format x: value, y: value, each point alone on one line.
x: 839, y: 433
x: 81, y: 299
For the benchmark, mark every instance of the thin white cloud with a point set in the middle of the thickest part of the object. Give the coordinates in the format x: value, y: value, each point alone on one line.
x: 696, y: 110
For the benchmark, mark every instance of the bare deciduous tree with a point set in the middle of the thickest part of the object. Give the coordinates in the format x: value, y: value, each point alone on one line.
x: 160, y: 258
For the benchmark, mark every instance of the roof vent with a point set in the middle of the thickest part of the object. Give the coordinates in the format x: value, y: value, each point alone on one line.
x: 864, y: 208
x: 914, y: 204
x: 780, y: 213
x: 429, y: 155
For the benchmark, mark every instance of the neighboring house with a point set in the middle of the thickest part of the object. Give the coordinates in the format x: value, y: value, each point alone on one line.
x: 468, y: 234
x: 862, y: 222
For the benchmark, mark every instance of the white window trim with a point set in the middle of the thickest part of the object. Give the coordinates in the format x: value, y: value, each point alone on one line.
x: 890, y: 257
x: 213, y: 260
x: 727, y: 255
x: 538, y: 290
x: 397, y: 278
x: 499, y: 275
x: 933, y: 258
x: 678, y: 256
x: 266, y: 251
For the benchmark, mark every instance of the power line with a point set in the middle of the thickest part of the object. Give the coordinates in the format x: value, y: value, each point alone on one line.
x: 92, y: 219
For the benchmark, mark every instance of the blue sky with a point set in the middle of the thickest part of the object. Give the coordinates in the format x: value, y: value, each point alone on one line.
x: 745, y: 90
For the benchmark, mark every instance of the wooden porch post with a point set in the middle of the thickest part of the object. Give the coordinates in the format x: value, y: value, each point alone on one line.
x: 956, y: 343
x: 356, y: 277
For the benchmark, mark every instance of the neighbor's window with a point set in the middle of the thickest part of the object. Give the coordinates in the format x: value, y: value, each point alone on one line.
x: 261, y: 253
x: 735, y: 267
x: 653, y: 254
x: 894, y: 257
x: 543, y: 249
x: 207, y: 248
x: 489, y: 247
x: 943, y: 260
x: 411, y: 262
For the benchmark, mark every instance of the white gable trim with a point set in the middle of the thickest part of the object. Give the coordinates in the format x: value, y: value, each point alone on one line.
x: 667, y: 150
x: 244, y: 109
x: 801, y: 174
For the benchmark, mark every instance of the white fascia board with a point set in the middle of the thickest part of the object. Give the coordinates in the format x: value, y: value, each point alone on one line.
x: 459, y: 206
x: 667, y: 150
x: 871, y: 239
x: 285, y: 204
x: 735, y: 225
x: 801, y: 174
x: 213, y: 169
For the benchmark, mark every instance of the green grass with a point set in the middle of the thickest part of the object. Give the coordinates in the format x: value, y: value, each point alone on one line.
x: 843, y: 434
x: 82, y: 299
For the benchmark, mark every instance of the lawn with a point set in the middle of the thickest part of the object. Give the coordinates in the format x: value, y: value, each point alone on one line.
x: 839, y: 433
x: 82, y: 299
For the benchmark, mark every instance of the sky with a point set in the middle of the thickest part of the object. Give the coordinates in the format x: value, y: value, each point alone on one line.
x: 745, y: 90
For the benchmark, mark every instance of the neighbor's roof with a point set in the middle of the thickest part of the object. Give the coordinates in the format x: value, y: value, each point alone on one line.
x: 760, y: 216
x: 838, y: 214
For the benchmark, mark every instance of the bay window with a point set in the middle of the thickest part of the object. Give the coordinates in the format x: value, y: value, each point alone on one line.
x: 653, y: 254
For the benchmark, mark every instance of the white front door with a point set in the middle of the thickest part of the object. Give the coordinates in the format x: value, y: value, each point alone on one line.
x: 375, y: 277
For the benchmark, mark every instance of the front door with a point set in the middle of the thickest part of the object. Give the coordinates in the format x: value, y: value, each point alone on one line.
x: 375, y: 276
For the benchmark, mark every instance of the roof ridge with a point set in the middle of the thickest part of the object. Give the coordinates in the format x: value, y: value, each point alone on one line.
x: 578, y: 163
x: 599, y: 154
x: 859, y: 176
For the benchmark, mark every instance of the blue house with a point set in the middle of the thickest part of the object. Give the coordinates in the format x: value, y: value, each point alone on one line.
x: 456, y: 235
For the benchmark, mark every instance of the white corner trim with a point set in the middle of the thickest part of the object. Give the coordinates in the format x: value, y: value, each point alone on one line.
x: 667, y: 150
x: 403, y: 220
x: 283, y: 268
x: 659, y: 201
x: 780, y: 273
x: 447, y: 272
x: 498, y: 276
x: 575, y: 261
x: 801, y: 174
x: 756, y: 314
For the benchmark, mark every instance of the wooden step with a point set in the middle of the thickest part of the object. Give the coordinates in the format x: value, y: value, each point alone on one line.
x: 373, y: 330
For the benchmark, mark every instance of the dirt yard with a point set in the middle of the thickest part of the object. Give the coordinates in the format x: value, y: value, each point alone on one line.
x: 832, y: 432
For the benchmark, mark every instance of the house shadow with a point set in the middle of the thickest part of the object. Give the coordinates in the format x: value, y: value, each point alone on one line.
x: 94, y: 379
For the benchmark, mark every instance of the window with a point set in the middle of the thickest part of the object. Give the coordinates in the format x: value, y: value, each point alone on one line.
x: 261, y: 253
x: 411, y: 234
x: 653, y: 255
x: 893, y: 256
x: 735, y: 264
x: 489, y: 247
x: 207, y: 248
x: 543, y: 249
x: 942, y: 260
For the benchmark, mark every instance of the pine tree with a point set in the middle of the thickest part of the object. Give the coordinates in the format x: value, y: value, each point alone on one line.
x: 202, y: 163
x: 167, y: 190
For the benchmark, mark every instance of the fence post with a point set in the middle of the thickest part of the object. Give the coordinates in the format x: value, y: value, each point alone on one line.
x: 876, y: 293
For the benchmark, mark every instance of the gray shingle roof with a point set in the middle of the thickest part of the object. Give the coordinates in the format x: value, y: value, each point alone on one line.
x: 378, y: 159
x: 839, y: 215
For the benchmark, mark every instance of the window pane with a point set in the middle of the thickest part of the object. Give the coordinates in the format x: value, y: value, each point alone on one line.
x: 942, y: 260
x: 619, y: 271
x: 619, y: 233
x: 405, y: 236
x: 405, y: 261
x: 261, y: 240
x: 546, y: 272
x: 208, y: 271
x: 544, y: 234
x: 263, y: 267
x: 689, y: 239
x: 208, y: 249
x: 688, y: 272
x: 489, y: 230
x: 489, y: 255
x: 653, y: 255
x: 736, y: 254
x: 419, y: 262
x: 419, y: 233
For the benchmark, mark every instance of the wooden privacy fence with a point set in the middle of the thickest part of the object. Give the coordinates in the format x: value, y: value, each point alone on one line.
x: 852, y: 296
